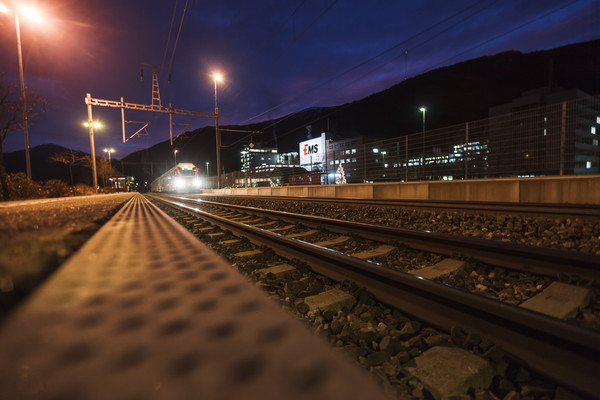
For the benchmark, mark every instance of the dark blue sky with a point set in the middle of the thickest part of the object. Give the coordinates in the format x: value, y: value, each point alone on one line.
x: 276, y: 56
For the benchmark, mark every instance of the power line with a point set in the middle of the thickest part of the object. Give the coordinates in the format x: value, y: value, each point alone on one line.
x: 338, y: 109
x: 366, y: 61
x: 178, y: 33
x: 507, y: 32
x: 316, y: 19
x: 169, y: 35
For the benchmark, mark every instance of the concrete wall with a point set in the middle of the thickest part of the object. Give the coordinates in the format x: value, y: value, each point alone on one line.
x: 579, y: 189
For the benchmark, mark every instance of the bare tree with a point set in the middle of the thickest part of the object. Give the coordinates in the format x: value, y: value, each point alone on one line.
x: 11, y: 119
x: 70, y: 158
x: 103, y: 167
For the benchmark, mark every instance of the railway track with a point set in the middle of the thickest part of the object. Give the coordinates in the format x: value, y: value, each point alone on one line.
x: 533, y: 209
x: 522, y: 334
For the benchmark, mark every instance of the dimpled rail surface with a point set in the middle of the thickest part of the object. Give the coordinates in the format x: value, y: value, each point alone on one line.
x: 146, y: 311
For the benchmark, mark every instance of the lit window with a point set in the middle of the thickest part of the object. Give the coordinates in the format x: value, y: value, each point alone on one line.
x: 331, y: 162
x: 593, y: 130
x: 598, y: 120
x: 588, y: 164
x: 545, y: 132
x: 595, y: 142
x: 353, y: 151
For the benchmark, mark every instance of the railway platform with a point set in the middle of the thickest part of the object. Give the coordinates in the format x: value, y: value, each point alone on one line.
x: 146, y: 311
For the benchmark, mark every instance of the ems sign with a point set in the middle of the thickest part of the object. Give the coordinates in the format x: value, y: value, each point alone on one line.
x: 312, y: 151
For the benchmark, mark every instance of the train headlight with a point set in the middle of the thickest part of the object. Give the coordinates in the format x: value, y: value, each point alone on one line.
x: 178, y: 182
x: 197, y: 183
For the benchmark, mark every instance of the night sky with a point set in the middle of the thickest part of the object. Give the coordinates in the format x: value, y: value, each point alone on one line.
x: 276, y: 56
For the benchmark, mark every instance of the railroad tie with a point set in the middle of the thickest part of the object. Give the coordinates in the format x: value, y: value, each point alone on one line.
x: 248, y: 253
x: 303, y: 234
x: 376, y: 252
x: 332, y: 242
x: 559, y: 300
x: 282, y: 228
x: 280, y: 270
x: 451, y: 371
x: 331, y: 300
x: 265, y: 224
x: 442, y: 268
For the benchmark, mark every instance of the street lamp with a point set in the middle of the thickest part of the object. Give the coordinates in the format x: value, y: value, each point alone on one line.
x: 175, y: 154
x: 109, y: 151
x: 32, y: 14
x: 207, y: 168
x: 422, y: 109
x: 91, y: 125
x: 218, y: 78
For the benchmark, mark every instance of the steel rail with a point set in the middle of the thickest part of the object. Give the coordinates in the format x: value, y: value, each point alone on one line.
x: 570, y: 210
x: 563, y: 352
x: 526, y: 258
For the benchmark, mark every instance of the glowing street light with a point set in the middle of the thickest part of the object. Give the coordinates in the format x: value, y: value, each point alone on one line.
x: 218, y: 78
x: 109, y: 151
x: 28, y: 13
x: 95, y: 124
x: 207, y: 168
x: 175, y: 154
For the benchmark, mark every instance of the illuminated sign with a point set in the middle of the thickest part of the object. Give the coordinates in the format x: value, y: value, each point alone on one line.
x: 312, y: 151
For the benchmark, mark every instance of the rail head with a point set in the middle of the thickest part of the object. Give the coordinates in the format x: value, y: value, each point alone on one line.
x: 566, y: 353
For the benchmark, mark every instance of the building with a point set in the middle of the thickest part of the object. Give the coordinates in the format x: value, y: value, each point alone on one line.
x: 313, y: 153
x: 258, y: 163
x: 547, y: 131
x: 350, y: 154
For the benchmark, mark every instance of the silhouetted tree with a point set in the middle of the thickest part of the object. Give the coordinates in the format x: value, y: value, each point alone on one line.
x: 11, y: 119
x: 70, y: 158
x: 103, y: 169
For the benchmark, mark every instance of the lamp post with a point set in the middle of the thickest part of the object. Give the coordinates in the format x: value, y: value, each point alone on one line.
x: 31, y: 14
x: 91, y: 125
x: 217, y: 77
x: 109, y: 151
x: 207, y: 168
x: 175, y: 154
x: 422, y: 109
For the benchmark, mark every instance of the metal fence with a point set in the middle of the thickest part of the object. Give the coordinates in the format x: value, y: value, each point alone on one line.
x: 556, y: 139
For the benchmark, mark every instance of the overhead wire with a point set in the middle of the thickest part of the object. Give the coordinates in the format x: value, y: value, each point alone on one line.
x: 367, y: 61
x: 507, y: 32
x: 178, y: 33
x: 169, y: 35
x: 325, y: 10
x: 340, y: 108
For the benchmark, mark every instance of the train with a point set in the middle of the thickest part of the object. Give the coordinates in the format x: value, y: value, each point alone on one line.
x: 182, y: 178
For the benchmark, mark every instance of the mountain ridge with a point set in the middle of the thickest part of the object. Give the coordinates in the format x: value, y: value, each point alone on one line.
x: 451, y: 94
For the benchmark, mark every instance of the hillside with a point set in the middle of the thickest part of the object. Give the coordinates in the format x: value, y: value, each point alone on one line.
x: 454, y: 94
